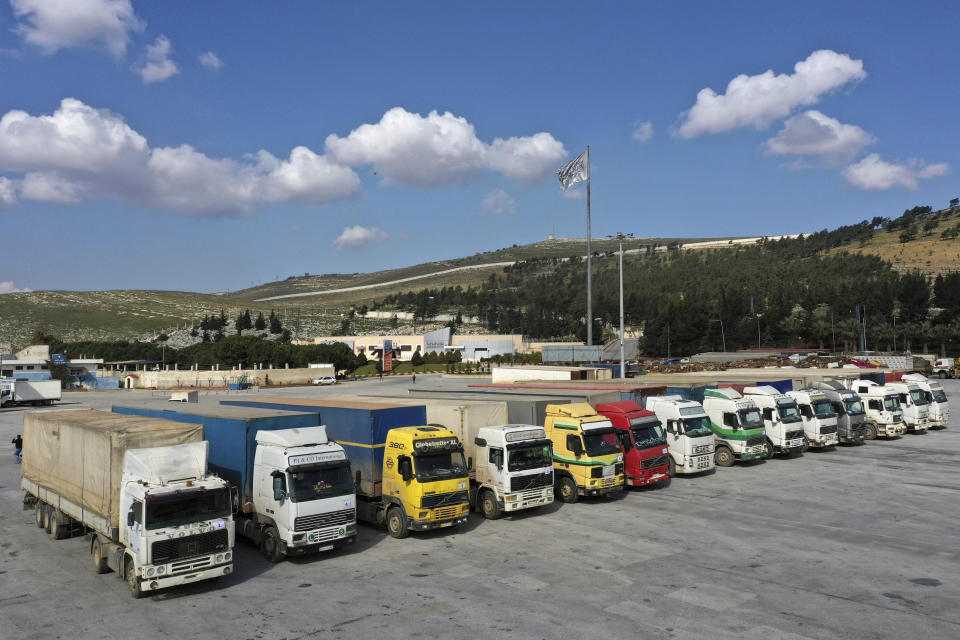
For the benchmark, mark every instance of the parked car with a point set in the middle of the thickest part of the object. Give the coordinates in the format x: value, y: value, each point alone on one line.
x: 325, y: 380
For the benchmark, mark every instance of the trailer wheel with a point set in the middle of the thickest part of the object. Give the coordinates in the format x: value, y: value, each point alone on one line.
x: 671, y: 466
x: 46, y: 517
x: 870, y: 433
x: 397, y: 523
x: 489, y: 506
x: 132, y: 580
x: 99, y: 560
x: 270, y: 545
x: 38, y: 513
x: 567, y: 490
x: 58, y: 526
x: 723, y: 456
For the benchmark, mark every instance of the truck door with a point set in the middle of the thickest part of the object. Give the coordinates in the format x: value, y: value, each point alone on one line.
x: 730, y: 420
x: 768, y: 416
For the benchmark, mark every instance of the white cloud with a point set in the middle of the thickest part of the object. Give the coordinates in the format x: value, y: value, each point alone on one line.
x: 7, y: 287
x: 573, y: 194
x: 52, y: 25
x: 498, y: 203
x: 210, y: 60
x: 8, y: 193
x: 873, y: 173
x: 79, y: 154
x: 157, y: 65
x: 759, y: 100
x: 411, y: 150
x: 357, y: 237
x: 813, y: 133
x: 643, y: 131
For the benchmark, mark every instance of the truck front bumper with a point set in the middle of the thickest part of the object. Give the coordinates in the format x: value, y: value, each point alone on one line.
x: 789, y: 446
x: 321, y: 540
x: 424, y: 525
x: 824, y: 440
x: 602, y: 487
x: 155, y: 583
x: 697, y: 464
x: 527, y: 499
x: 649, y: 476
x: 921, y: 425
x: 896, y: 429
x: 752, y: 453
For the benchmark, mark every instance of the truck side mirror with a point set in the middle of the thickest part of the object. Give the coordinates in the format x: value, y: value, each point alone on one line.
x: 278, y: 492
x: 130, y: 517
x: 624, y: 439
x: 405, y: 468
x: 234, y: 499
x: 575, y: 445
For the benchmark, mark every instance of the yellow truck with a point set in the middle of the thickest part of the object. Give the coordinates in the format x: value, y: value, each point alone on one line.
x: 587, y: 454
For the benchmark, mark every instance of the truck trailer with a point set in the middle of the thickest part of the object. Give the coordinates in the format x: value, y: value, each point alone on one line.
x: 645, y: 453
x: 139, y: 487
x: 295, y: 488
x: 409, y: 476
x: 29, y: 392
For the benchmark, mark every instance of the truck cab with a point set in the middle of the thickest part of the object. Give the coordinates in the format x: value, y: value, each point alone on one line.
x: 512, y: 469
x: 176, y: 520
x: 737, y: 426
x: 851, y: 416
x: 782, y: 423
x: 587, y: 454
x: 916, y: 408
x: 937, y: 403
x: 943, y: 368
x: 303, y: 494
x: 819, y: 418
x: 690, y: 440
x: 424, y: 483
x: 644, y: 441
x: 882, y: 405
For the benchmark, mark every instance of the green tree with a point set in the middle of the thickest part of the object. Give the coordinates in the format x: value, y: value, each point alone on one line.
x: 795, y: 324
x: 275, y: 325
x: 394, y: 321
x: 417, y: 359
x: 909, y: 234
x: 260, y: 324
x: 820, y: 322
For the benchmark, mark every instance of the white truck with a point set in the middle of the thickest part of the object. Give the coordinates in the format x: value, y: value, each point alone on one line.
x: 138, y: 486
x: 511, y: 467
x: 916, y: 409
x: 737, y: 426
x: 937, y: 403
x: 782, y: 424
x: 32, y: 392
x: 690, y: 439
x: 819, y: 418
x: 943, y: 368
x: 884, y: 413
x: 847, y: 404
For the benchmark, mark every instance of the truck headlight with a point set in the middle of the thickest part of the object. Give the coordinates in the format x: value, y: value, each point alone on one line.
x: 511, y: 498
x: 161, y: 571
x: 218, y: 558
x: 228, y: 556
x: 149, y: 572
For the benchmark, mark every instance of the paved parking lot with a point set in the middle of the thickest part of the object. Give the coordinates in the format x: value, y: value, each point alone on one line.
x: 856, y: 542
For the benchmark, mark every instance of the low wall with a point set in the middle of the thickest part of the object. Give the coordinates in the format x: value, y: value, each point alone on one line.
x: 212, y: 379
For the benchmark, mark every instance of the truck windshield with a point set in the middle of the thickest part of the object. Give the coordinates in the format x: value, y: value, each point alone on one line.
x: 823, y: 409
x: 315, y: 482
x: 918, y: 397
x: 530, y: 458
x: 788, y: 412
x: 440, y: 465
x: 184, y: 507
x: 601, y: 442
x: 697, y: 427
x: 751, y: 418
x: 891, y: 403
x: 648, y: 434
x: 854, y: 407
x: 939, y: 395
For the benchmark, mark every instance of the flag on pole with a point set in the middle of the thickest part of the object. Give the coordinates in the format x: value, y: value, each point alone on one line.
x: 577, y: 170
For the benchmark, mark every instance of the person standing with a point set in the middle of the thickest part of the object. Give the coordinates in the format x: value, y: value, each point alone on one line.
x: 414, y: 377
x: 18, y: 448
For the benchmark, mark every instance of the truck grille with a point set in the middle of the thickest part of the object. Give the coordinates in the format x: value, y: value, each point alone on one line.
x: 532, y: 481
x: 321, y: 520
x: 446, y: 513
x: 825, y: 430
x: 180, y: 548
x: 454, y: 499
x: 649, y: 463
x: 756, y: 441
x: 609, y: 482
x: 793, y: 435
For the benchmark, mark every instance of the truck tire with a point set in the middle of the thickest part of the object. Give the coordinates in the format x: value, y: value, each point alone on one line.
x: 870, y: 432
x: 38, y: 513
x: 58, y: 525
x: 489, y: 506
x: 943, y: 375
x: 806, y: 445
x: 723, y: 456
x: 671, y: 466
x: 132, y: 580
x: 98, y: 557
x: 46, y: 517
x: 397, y: 523
x: 768, y: 449
x: 270, y: 545
x: 567, y: 490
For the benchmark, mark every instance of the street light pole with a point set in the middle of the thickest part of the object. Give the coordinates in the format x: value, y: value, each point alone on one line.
x: 620, y: 237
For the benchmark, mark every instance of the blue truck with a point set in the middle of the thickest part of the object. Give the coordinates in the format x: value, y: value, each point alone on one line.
x: 295, y: 488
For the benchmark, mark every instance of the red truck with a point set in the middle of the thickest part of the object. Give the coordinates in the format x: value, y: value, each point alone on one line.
x: 643, y: 439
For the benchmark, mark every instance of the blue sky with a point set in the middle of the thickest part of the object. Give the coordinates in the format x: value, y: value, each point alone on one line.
x: 216, y: 145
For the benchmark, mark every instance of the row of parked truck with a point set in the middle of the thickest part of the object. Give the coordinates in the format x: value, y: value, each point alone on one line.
x: 163, y: 491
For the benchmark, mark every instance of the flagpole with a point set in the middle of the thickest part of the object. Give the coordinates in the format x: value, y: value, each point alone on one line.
x: 589, y: 257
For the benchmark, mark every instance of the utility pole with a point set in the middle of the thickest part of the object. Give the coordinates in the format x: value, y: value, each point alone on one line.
x: 620, y: 237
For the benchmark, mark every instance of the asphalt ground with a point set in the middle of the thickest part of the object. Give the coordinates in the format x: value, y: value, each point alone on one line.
x: 854, y: 542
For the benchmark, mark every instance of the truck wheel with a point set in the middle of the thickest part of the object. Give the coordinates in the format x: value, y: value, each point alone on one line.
x: 943, y: 375
x: 270, y: 545
x: 870, y: 433
x: 397, y: 523
x: 671, y: 466
x: 46, y: 517
x: 567, y: 490
x: 489, y: 506
x: 99, y: 559
x: 723, y: 456
x: 768, y: 449
x: 58, y: 528
x: 38, y: 513
x: 132, y: 580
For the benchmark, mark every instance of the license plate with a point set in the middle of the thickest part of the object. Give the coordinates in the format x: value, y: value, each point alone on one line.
x: 325, y: 548
x: 608, y: 472
x: 446, y: 524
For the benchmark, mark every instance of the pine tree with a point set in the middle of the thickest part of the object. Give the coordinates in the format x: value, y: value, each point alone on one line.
x: 260, y: 324
x: 275, y: 324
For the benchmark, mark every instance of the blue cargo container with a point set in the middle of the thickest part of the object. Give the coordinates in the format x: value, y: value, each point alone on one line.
x: 359, y: 427
x: 231, y: 432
